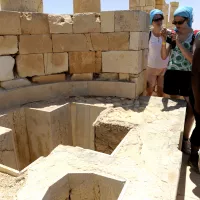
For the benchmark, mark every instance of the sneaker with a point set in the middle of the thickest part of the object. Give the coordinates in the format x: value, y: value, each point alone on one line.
x: 186, y: 147
x: 193, y: 162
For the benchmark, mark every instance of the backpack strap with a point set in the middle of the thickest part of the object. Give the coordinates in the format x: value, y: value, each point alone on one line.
x: 193, y: 39
x: 149, y: 35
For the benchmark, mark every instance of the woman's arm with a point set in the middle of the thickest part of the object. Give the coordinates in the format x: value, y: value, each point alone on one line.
x: 164, y: 49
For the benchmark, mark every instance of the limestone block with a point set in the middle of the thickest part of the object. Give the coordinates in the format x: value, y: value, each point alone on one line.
x: 7, y: 148
x: 6, y: 68
x: 108, y: 77
x: 8, y: 45
x: 82, y: 77
x: 60, y: 23
x: 139, y: 40
x: 83, y: 62
x: 108, y: 88
x: 140, y: 82
x: 47, y: 128
x: 107, y: 21
x: 148, y: 9
x: 22, y: 5
x: 110, y: 41
x: 150, y: 3
x: 34, y: 23
x: 49, y: 78
x: 98, y: 56
x: 55, y: 63
x: 11, y: 18
x: 84, y: 6
x: 30, y: 65
x: 144, y: 58
x: 131, y: 21
x: 35, y: 44
x: 15, y: 83
x: 82, y: 118
x: 71, y: 42
x: 122, y: 61
x: 86, y: 23
x: 133, y: 4
x: 124, y: 77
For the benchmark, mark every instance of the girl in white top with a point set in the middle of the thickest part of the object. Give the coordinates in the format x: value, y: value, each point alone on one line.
x: 156, y: 65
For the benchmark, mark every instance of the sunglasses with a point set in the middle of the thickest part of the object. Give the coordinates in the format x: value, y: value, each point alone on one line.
x: 178, y: 22
x: 157, y: 20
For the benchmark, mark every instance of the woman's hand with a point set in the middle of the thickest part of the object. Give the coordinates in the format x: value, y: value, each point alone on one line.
x: 175, y: 38
x: 163, y: 34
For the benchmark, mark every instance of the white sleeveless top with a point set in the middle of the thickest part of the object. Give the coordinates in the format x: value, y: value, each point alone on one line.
x: 154, y: 57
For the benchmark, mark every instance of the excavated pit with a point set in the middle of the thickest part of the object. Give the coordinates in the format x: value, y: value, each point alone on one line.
x: 30, y: 132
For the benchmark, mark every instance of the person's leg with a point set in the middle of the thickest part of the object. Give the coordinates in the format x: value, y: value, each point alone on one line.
x: 151, y: 81
x: 189, y: 120
x: 160, y: 83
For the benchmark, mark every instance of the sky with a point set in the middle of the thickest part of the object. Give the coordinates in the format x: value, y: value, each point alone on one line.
x: 66, y: 7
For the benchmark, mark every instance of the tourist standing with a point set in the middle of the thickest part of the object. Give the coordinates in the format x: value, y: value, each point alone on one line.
x: 195, y: 102
x: 156, y: 65
x: 177, y: 79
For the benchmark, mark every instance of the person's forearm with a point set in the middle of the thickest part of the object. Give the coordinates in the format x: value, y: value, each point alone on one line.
x: 188, y: 55
x: 196, y: 87
x: 164, y: 51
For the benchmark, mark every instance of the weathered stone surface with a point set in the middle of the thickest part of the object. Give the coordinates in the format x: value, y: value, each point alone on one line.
x: 8, y: 45
x: 82, y: 77
x: 139, y: 40
x: 150, y: 3
x: 30, y: 65
x: 6, y: 68
x: 71, y: 42
x: 124, y: 77
x: 131, y: 21
x: 15, y: 83
x: 35, y: 44
x: 83, y: 62
x: 55, y: 63
x: 107, y: 21
x: 110, y: 41
x: 34, y: 23
x: 23, y: 6
x: 108, y: 88
x: 86, y: 23
x: 49, y: 78
x: 122, y: 61
x: 7, y: 148
x: 84, y: 6
x: 108, y: 77
x: 60, y: 23
x: 11, y: 18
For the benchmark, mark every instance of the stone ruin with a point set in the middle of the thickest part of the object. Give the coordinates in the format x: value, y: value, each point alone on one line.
x: 73, y: 123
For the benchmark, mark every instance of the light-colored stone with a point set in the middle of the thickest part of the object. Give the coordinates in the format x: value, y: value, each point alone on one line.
x: 30, y: 65
x: 82, y: 77
x: 84, y: 6
x: 6, y: 68
x: 22, y: 6
x: 107, y: 21
x: 86, y: 23
x: 122, y: 61
x: 83, y: 62
x: 150, y: 3
x: 133, y: 4
x: 49, y: 78
x: 108, y: 88
x: 34, y: 23
x: 139, y: 40
x: 131, y: 21
x: 71, y: 42
x: 7, y: 148
x: 35, y: 44
x: 60, y: 23
x: 124, y: 77
x: 110, y: 41
x: 11, y: 18
x: 47, y: 127
x: 15, y: 83
x: 8, y: 45
x: 108, y: 77
x: 55, y: 63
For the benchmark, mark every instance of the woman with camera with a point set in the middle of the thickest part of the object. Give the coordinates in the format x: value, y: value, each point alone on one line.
x: 177, y: 79
x: 156, y: 66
